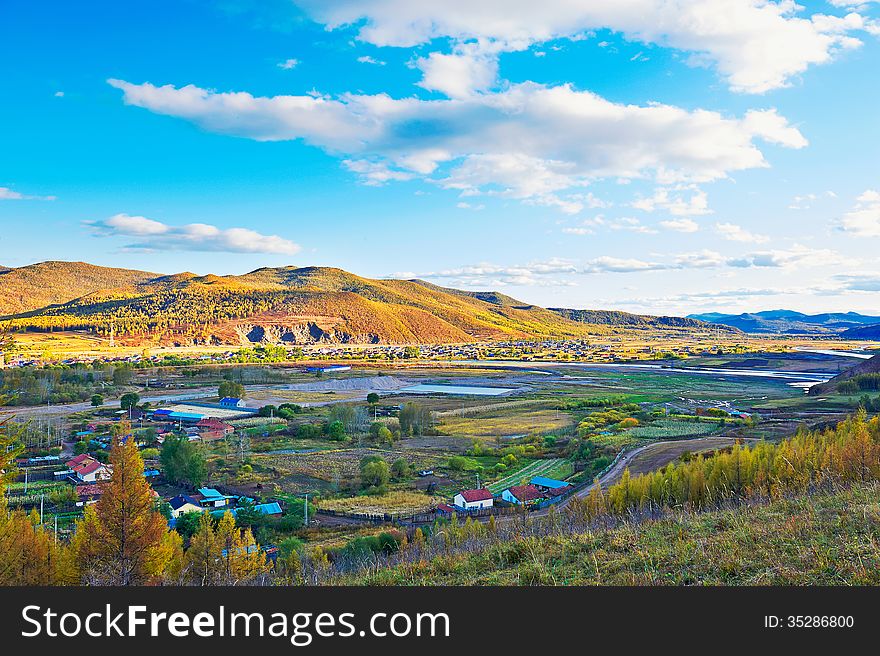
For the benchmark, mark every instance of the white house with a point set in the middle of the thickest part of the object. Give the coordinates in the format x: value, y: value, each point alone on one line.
x: 473, y: 499
x: 183, y: 504
x: 89, y: 470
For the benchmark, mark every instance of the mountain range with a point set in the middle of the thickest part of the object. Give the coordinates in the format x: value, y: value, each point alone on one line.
x: 293, y: 305
x: 847, y: 324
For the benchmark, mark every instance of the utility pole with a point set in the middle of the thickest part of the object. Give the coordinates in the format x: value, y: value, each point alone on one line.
x: 306, y: 510
x: 41, y: 509
x: 25, y: 480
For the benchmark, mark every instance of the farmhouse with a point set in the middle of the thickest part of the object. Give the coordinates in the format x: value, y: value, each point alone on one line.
x: 183, y: 504
x: 473, y: 499
x: 208, y: 497
x: 548, y: 484
x: 88, y: 470
x: 211, y: 429
x: 522, y: 495
x: 231, y: 402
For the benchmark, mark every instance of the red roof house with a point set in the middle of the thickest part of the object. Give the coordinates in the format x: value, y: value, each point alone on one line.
x: 522, y: 494
x: 473, y: 499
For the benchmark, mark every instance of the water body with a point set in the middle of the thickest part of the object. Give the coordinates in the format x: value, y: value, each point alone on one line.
x: 802, y: 376
x: 461, y: 390
x: 843, y: 354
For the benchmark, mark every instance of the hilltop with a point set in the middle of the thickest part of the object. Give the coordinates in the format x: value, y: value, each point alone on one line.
x: 791, y: 322
x: 47, y: 283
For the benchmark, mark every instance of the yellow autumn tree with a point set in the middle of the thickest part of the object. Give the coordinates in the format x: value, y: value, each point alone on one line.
x: 243, y: 560
x: 126, y: 541
x: 203, y: 565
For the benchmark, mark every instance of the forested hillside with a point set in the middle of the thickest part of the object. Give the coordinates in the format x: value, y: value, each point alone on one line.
x: 38, y: 285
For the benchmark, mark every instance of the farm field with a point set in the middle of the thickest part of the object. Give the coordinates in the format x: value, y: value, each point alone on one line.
x: 508, y: 422
x: 666, y: 429
x: 401, y: 502
x: 550, y: 468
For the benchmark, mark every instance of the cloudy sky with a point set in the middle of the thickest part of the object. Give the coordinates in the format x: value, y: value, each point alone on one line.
x: 647, y: 155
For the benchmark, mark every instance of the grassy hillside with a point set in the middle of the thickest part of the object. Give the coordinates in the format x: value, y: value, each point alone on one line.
x: 38, y: 285
x: 864, y: 368
x: 826, y: 539
x: 296, y: 305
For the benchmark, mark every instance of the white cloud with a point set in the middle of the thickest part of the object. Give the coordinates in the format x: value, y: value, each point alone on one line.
x: 733, y: 232
x: 527, y: 141
x: 805, y: 201
x: 486, y: 275
x: 366, y: 59
x: 680, y: 225
x: 150, y: 235
x: 756, y: 45
x: 10, y: 194
x: 288, y: 64
x: 677, y: 205
x: 375, y: 174
x: 59, y: 94
x: 863, y: 220
x: 797, y: 256
x: 458, y: 75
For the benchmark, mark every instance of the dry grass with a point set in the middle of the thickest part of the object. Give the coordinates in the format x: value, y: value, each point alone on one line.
x: 507, y: 423
x: 399, y: 501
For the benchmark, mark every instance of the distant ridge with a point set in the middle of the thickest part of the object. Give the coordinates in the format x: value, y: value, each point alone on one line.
x: 791, y: 322
x: 618, y: 318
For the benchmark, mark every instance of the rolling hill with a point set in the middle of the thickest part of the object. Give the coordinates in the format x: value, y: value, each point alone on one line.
x: 791, y: 322
x: 864, y: 332
x: 47, y: 283
x: 863, y: 368
x: 286, y: 305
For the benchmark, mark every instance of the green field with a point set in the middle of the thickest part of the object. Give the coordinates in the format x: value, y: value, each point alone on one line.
x: 550, y: 468
x: 666, y: 429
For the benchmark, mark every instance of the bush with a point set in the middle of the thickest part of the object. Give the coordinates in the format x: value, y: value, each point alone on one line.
x: 457, y: 463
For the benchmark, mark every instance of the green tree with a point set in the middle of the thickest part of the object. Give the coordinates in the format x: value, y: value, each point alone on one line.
x: 385, y: 436
x: 182, y: 461
x: 400, y: 468
x: 129, y: 400
x: 230, y: 389
x: 375, y: 473
x: 97, y: 400
x: 336, y: 431
x: 122, y: 376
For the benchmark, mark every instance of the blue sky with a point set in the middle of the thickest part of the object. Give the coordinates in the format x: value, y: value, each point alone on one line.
x: 650, y: 156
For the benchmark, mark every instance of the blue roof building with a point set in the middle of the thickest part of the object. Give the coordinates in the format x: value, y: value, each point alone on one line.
x: 273, y: 508
x: 548, y: 483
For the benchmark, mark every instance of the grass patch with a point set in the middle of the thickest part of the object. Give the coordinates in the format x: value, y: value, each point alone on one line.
x: 399, y: 501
